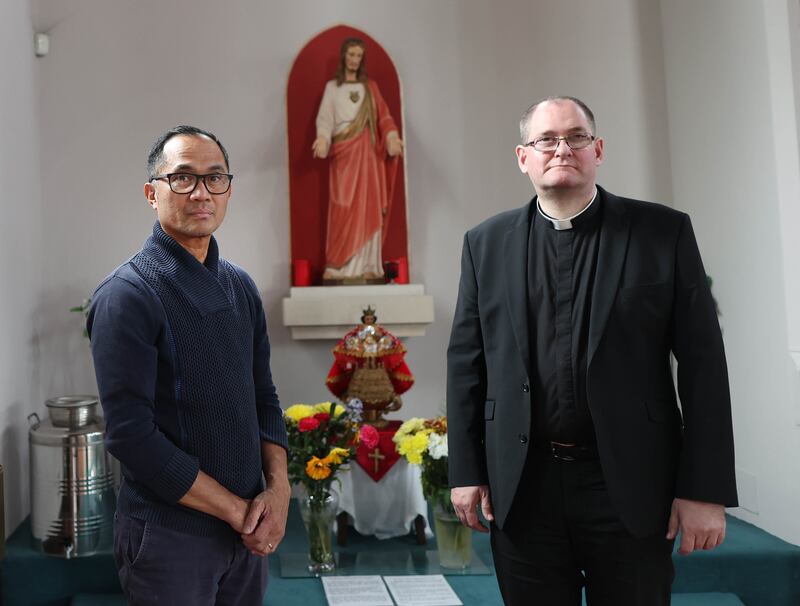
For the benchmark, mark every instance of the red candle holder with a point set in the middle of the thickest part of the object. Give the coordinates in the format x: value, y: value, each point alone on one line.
x: 402, y: 270
x: 301, y: 272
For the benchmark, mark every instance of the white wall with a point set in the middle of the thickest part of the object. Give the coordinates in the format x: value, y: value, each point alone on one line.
x: 693, y: 100
x: 688, y: 96
x: 732, y: 122
x: 21, y: 252
x: 119, y: 73
x: 782, y: 21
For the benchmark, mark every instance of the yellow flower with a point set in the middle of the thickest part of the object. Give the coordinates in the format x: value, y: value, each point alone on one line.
x: 337, y: 455
x: 413, y: 446
x: 317, y: 469
x: 419, y: 441
x: 326, y: 408
x: 299, y: 411
x: 411, y: 426
x: 415, y: 458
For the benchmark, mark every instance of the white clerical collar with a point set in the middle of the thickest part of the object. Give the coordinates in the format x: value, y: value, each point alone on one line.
x: 562, y: 224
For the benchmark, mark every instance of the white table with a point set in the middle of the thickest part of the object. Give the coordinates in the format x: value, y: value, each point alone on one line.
x: 386, y: 509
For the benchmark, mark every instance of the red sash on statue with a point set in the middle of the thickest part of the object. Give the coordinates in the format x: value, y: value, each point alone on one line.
x: 377, y: 461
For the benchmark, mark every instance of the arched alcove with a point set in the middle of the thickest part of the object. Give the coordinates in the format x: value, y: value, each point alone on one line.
x: 314, y: 65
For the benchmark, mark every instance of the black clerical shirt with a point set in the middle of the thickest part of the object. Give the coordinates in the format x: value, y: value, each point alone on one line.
x: 561, y: 270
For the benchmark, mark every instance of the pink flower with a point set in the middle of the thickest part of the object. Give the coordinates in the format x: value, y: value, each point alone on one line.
x: 369, y: 436
x: 308, y: 424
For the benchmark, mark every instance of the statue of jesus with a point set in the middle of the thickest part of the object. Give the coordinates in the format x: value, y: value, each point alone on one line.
x: 355, y: 128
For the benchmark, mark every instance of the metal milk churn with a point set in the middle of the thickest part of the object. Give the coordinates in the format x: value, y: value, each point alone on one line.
x: 72, y: 479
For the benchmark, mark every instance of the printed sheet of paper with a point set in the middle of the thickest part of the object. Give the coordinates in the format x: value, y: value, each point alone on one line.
x: 356, y: 591
x: 422, y: 590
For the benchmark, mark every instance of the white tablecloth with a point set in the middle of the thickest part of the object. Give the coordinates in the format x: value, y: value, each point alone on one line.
x: 387, y: 508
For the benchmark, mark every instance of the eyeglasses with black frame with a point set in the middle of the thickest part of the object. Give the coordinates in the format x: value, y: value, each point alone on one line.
x: 186, y: 183
x: 551, y: 143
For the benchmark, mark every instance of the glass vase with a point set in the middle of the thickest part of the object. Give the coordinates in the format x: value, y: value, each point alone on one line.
x: 319, y: 513
x: 452, y: 537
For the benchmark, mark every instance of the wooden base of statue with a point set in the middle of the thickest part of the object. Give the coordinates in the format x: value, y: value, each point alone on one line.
x: 353, y: 281
x: 374, y: 418
x: 373, y: 412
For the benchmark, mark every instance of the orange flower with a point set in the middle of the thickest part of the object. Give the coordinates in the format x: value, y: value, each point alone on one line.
x: 317, y: 469
x: 438, y: 425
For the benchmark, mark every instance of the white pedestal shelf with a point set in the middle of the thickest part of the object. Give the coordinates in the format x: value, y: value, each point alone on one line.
x: 328, y: 312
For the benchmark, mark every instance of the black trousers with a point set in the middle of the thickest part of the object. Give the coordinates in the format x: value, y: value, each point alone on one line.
x: 563, y: 534
x: 159, y: 566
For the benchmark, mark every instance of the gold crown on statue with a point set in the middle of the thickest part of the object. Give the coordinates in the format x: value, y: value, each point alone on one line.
x: 369, y: 311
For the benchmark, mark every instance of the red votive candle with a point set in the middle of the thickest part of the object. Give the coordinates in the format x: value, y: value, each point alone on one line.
x: 402, y: 270
x: 301, y: 272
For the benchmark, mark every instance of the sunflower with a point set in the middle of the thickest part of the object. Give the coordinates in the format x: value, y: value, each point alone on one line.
x: 317, y: 469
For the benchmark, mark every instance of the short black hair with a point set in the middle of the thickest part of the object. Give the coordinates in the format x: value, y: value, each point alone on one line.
x: 526, y: 117
x: 156, y: 156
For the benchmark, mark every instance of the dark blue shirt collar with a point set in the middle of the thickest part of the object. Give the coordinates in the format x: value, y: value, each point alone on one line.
x: 199, y: 281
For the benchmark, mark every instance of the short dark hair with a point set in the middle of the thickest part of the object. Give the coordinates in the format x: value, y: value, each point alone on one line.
x: 526, y: 117
x: 156, y: 156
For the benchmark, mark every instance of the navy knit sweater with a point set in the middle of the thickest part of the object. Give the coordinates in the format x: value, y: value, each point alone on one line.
x: 181, y: 356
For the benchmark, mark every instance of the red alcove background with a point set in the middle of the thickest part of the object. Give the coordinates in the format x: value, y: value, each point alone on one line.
x: 314, y: 65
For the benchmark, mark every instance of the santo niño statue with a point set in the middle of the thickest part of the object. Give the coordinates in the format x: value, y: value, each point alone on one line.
x: 369, y: 365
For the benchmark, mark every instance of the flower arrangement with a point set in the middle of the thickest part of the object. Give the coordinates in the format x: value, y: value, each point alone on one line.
x: 322, y: 438
x: 424, y: 442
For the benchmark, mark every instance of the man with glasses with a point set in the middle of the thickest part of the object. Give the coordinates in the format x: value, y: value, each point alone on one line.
x: 564, y: 426
x: 181, y: 353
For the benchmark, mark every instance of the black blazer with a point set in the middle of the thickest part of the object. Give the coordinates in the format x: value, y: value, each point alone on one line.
x: 650, y: 298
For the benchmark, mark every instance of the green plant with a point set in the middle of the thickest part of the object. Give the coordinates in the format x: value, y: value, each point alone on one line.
x: 83, y: 308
